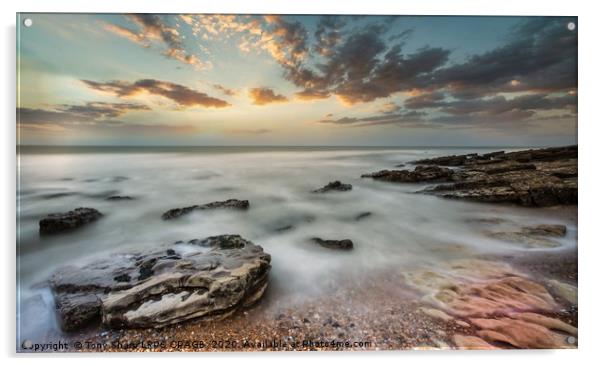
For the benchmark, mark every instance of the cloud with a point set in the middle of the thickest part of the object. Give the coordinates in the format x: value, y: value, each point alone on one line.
x: 180, y: 94
x: 424, y: 100
x: 540, y: 55
x: 500, y: 105
x: 126, y: 33
x: 495, y: 113
x: 263, y: 96
x: 226, y: 91
x: 328, y: 33
x: 243, y: 131
x: 407, y: 119
x: 359, y: 66
x: 366, y: 62
x: 98, y: 110
x: 309, y: 95
x: 91, y: 112
x: 93, y: 117
x: 389, y: 107
x: 152, y: 27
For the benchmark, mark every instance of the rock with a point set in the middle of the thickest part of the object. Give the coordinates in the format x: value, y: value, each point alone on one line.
x: 284, y: 228
x: 527, y: 240
x: 533, y: 236
x: 207, y: 279
x: 60, y: 222
x: 462, y: 323
x: 479, y: 288
x: 539, y: 155
x: 499, y: 301
x: 119, y: 198
x: 57, y: 195
x: 550, y: 323
x: 436, y: 313
x: 545, y: 230
x: 540, y: 177
x: 564, y: 290
x: 334, y: 186
x: 231, y: 203
x: 544, y: 177
x: 420, y: 174
x: 362, y: 215
x: 344, y: 244
x: 452, y: 160
x: 76, y: 310
x: 400, y: 165
x: 471, y: 342
x: 526, y: 331
x: 288, y: 223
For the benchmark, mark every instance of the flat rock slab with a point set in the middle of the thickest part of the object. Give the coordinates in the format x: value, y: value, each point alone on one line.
x: 335, y: 186
x: 231, y: 203
x: 203, y: 278
x: 61, y: 222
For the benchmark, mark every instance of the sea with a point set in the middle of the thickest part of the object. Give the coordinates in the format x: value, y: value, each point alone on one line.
x: 405, y: 229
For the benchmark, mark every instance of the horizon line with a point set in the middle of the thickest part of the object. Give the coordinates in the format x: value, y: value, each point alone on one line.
x: 259, y: 146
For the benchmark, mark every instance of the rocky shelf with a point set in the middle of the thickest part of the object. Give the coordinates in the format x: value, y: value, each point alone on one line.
x: 537, y: 177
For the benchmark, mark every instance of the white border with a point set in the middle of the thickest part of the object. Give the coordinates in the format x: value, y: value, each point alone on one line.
x: 590, y: 147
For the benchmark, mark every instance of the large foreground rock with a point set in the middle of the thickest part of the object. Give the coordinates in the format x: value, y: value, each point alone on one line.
x: 60, y: 222
x: 208, y: 279
x: 540, y: 177
x: 231, y: 203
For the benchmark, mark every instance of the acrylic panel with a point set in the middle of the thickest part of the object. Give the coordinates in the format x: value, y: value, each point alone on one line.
x: 191, y: 182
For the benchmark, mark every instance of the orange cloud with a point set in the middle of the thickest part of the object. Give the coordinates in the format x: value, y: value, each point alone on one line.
x: 180, y: 94
x: 263, y: 96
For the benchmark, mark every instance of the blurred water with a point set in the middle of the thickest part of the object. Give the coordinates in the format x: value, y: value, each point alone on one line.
x: 404, y: 230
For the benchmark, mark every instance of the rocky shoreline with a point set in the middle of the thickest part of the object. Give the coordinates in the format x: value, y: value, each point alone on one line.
x: 204, y: 289
x: 373, y: 313
x: 540, y: 178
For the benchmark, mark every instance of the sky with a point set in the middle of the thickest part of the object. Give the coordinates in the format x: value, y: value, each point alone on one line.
x: 218, y: 80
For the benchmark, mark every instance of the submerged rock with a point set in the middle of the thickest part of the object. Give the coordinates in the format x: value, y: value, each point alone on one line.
x: 49, y: 196
x: 545, y: 230
x: 231, y: 203
x: 334, y: 186
x: 207, y: 279
x: 60, y: 222
x: 284, y: 224
x: 120, y: 198
x: 540, y: 177
x: 533, y: 236
x: 362, y: 215
x: 344, y: 244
